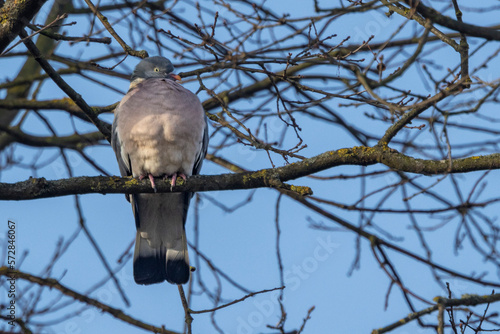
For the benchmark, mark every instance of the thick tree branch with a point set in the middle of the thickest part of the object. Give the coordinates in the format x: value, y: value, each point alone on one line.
x: 364, y: 156
x: 14, y: 16
x: 448, y: 22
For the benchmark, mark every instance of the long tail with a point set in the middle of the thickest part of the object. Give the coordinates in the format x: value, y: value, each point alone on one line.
x: 160, y: 247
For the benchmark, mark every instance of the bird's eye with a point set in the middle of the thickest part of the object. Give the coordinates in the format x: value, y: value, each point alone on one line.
x: 156, y: 69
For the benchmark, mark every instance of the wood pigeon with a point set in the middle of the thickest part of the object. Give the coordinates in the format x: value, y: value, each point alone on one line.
x: 159, y: 130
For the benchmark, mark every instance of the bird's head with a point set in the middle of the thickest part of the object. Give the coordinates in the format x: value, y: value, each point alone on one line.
x: 153, y: 67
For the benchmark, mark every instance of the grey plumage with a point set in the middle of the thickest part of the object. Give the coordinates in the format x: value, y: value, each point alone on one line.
x: 159, y: 130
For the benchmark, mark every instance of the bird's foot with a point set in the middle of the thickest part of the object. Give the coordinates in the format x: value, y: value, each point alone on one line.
x: 151, y: 179
x: 174, y: 178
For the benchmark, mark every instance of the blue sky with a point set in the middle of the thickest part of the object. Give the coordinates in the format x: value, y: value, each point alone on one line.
x: 317, y: 264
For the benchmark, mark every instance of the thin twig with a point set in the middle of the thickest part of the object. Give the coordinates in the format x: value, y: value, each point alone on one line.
x: 236, y: 301
x: 187, y: 312
x: 107, y: 25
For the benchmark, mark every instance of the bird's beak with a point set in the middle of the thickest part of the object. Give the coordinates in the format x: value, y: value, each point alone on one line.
x: 176, y: 77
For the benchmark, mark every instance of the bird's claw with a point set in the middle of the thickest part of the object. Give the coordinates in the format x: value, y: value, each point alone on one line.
x: 151, y: 179
x: 174, y: 178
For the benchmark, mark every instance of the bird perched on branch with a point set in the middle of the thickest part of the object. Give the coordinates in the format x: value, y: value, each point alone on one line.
x: 160, y: 130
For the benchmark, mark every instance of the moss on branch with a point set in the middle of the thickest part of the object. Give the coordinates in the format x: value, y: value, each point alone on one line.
x: 265, y: 178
